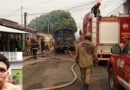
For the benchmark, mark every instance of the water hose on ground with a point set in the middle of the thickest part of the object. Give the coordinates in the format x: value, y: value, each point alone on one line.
x: 67, y: 84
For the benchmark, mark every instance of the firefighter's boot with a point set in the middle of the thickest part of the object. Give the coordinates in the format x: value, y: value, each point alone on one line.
x: 85, y: 87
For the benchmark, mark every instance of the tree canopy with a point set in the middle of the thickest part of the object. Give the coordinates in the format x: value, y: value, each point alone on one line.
x: 54, y: 21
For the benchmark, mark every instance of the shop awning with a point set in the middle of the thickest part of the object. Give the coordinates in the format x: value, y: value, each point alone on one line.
x: 10, y: 30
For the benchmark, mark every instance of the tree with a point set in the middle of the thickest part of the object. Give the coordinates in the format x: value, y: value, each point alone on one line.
x: 54, y: 21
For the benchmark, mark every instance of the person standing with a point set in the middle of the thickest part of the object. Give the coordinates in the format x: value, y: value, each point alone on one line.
x: 43, y: 47
x: 19, y: 44
x: 34, y: 47
x: 47, y: 47
x: 85, y: 56
x: 95, y: 9
x: 126, y: 39
x: 12, y: 44
x: 28, y: 43
x: 4, y: 74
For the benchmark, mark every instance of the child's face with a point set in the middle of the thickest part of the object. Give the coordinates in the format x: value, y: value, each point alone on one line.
x: 3, y: 73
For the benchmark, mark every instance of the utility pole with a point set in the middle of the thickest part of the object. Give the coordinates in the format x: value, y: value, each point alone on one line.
x: 48, y: 26
x: 25, y: 35
x: 52, y: 28
x: 21, y: 15
x: 36, y: 24
x: 25, y: 19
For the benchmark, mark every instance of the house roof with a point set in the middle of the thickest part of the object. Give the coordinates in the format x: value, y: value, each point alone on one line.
x: 15, y: 25
x: 10, y: 30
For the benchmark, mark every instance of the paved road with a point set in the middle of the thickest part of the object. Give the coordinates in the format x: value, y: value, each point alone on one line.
x: 57, y: 72
x: 99, y: 80
x: 47, y: 73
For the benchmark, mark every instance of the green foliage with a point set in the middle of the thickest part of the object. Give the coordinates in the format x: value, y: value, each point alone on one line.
x: 54, y: 20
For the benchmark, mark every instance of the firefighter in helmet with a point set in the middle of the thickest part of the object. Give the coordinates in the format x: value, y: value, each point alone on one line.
x: 95, y: 9
x: 85, y: 57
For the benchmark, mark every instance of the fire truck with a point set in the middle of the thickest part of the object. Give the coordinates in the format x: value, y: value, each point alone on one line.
x: 119, y: 63
x: 119, y: 68
x: 106, y: 32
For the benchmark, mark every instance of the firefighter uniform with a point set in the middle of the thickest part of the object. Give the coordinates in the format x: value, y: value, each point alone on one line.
x: 85, y: 56
x: 34, y: 47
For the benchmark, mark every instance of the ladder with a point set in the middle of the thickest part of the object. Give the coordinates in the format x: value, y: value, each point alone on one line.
x: 94, y: 29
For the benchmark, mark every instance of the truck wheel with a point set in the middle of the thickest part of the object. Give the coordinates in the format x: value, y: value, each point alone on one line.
x: 111, y: 80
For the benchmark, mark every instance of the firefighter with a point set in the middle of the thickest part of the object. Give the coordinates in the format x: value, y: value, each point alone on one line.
x: 34, y: 47
x: 95, y: 9
x: 126, y: 39
x: 85, y: 57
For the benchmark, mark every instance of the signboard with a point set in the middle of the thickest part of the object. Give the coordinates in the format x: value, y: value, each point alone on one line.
x: 17, y: 76
x: 124, y: 28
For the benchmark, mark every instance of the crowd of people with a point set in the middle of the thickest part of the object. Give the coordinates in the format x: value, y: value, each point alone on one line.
x: 13, y: 44
x: 32, y: 46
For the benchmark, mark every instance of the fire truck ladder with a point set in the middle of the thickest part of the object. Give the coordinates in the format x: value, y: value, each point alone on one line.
x: 94, y: 29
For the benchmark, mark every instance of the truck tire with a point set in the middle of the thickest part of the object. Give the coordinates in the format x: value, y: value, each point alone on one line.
x: 112, y: 85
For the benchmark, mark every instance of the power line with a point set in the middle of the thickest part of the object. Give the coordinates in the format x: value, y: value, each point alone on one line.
x: 37, y: 13
x: 17, y: 10
x: 71, y: 8
x: 116, y: 10
x: 38, y: 4
x: 82, y: 9
x: 75, y: 7
x: 79, y: 7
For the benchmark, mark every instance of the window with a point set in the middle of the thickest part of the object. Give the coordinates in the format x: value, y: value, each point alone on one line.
x: 127, y: 49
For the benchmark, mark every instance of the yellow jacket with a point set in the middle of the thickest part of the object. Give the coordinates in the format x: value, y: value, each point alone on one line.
x: 85, y: 54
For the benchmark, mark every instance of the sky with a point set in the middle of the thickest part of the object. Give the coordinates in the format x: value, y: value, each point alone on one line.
x: 12, y: 9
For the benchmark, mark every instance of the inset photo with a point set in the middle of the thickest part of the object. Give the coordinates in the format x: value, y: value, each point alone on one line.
x: 11, y: 75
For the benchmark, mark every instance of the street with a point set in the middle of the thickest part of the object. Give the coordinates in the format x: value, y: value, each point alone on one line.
x: 53, y: 72
x: 40, y: 38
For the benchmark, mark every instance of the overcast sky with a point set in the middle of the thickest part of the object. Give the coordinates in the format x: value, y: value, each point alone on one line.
x: 11, y: 9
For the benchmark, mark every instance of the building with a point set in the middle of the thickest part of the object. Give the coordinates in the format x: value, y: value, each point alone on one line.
x: 10, y: 31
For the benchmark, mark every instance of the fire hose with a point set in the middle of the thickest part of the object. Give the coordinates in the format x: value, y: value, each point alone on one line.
x: 67, y: 84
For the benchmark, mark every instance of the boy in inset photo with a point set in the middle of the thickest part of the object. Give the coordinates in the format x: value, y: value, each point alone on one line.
x: 4, y: 75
